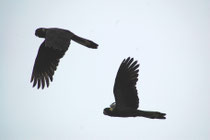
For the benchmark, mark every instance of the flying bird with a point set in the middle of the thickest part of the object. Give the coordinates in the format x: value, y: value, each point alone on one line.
x: 126, y: 99
x: 52, y: 49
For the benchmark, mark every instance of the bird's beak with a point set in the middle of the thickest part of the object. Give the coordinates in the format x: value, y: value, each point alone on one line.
x: 105, y: 113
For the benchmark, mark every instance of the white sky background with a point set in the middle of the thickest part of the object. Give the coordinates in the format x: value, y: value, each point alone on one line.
x: 170, y: 40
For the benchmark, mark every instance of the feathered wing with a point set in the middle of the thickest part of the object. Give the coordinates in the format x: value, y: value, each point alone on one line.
x: 125, y: 91
x: 45, y: 65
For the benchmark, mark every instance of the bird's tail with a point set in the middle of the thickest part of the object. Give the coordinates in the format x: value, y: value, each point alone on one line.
x: 151, y: 114
x: 85, y: 42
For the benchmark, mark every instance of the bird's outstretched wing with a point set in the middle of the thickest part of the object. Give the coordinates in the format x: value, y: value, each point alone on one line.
x: 125, y: 91
x: 45, y: 65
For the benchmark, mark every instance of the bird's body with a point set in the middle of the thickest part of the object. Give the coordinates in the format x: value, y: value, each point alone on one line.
x: 52, y: 49
x: 126, y: 96
x: 58, y: 38
x: 125, y: 112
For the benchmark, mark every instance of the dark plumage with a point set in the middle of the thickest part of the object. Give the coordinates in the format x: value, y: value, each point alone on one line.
x: 126, y: 99
x: 52, y: 49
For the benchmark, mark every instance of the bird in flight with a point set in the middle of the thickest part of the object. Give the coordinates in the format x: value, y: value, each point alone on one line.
x: 52, y: 49
x: 126, y: 99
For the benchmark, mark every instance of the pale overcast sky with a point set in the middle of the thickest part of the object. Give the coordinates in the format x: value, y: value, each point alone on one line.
x: 169, y: 38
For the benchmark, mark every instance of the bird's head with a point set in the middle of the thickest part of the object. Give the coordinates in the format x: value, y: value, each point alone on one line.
x: 108, y: 111
x: 41, y: 32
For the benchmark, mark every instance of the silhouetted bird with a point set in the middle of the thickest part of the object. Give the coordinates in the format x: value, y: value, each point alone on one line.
x: 125, y: 93
x: 53, y: 48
